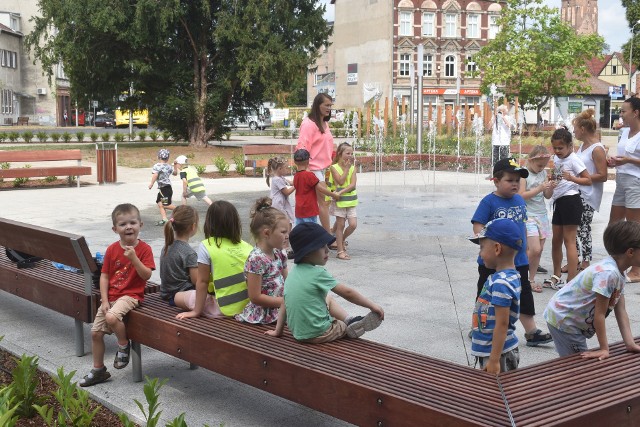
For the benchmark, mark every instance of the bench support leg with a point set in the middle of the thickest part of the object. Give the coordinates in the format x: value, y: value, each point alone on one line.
x: 136, y: 361
x: 192, y: 366
x: 79, y: 337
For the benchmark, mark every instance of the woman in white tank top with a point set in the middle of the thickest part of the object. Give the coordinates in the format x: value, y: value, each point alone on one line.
x: 593, y: 155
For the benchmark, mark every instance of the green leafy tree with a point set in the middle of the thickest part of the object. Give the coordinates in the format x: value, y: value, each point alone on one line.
x: 633, y: 16
x: 195, y: 63
x: 536, y: 55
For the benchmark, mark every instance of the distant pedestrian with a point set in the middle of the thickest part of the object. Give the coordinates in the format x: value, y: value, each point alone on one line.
x: 192, y: 184
x: 343, y: 177
x: 65, y: 118
x: 161, y: 173
x: 501, y: 134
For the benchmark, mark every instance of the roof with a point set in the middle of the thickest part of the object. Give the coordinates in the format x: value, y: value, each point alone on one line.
x: 5, y: 29
x: 596, y: 65
x: 598, y: 86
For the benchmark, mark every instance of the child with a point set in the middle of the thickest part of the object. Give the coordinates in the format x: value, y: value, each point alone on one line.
x: 343, y: 177
x: 578, y: 311
x: 311, y: 314
x: 505, y: 202
x: 532, y: 190
x: 281, y: 188
x: 192, y: 184
x: 305, y: 183
x: 221, y: 289
x: 126, y: 268
x: 178, y: 261
x: 569, y: 172
x: 266, y: 266
x: 161, y: 172
x: 494, y: 342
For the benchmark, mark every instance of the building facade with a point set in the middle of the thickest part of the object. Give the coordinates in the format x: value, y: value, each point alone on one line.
x: 581, y: 15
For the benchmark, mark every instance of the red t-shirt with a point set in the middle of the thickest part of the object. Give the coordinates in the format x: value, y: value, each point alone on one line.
x: 306, y: 200
x: 123, y: 277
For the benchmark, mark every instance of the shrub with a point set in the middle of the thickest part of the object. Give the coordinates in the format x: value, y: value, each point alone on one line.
x: 5, y: 165
x: 66, y: 136
x: 200, y: 169
x: 94, y: 136
x: 80, y: 136
x: 166, y: 135
x: 222, y: 165
x: 42, y: 136
x: 238, y: 159
x: 191, y: 156
x: 142, y: 135
x: 118, y: 137
x: 104, y: 137
x: 50, y: 178
x: 3, y: 136
x: 154, y: 135
x: 13, y: 136
x: 23, y: 386
x: 55, y: 137
x: 27, y: 136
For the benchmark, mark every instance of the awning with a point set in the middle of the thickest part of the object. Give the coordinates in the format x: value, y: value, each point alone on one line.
x: 24, y: 95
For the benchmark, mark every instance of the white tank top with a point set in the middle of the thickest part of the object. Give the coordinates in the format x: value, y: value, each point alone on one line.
x: 629, y: 147
x: 592, y: 194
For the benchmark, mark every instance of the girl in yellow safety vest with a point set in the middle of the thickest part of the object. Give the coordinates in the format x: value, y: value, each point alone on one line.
x: 343, y: 178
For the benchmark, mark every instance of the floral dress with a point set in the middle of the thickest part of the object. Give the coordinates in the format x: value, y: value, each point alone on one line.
x: 272, y: 284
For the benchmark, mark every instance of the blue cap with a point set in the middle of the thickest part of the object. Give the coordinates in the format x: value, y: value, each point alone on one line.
x: 501, y: 230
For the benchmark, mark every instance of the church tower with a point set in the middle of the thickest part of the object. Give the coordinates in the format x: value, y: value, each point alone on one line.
x: 581, y: 15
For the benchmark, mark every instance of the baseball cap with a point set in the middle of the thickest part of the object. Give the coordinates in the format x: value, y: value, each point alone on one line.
x: 163, y: 154
x: 510, y: 164
x: 501, y: 230
x: 301, y: 155
x: 181, y: 159
x: 308, y: 237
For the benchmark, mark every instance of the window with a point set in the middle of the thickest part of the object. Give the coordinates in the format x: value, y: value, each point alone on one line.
x: 614, y: 69
x: 405, y: 24
x: 60, y: 72
x: 405, y: 60
x: 450, y: 66
x: 6, y: 101
x: 14, y: 24
x: 450, y: 25
x: 473, y: 27
x: 472, y: 67
x: 428, y: 27
x: 427, y: 65
x: 15, y: 59
x: 3, y: 58
x: 493, y: 26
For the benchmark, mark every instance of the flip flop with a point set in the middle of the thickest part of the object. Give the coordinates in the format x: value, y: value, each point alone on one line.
x: 343, y: 255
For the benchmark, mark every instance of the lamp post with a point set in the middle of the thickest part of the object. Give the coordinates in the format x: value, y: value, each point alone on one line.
x: 631, y: 54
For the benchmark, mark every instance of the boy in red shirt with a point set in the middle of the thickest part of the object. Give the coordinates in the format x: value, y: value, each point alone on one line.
x: 127, y: 267
x: 306, y: 183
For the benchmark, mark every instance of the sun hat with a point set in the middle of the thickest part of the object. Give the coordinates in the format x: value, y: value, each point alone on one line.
x: 163, y: 154
x: 510, y: 164
x: 301, y: 155
x: 501, y: 230
x: 308, y: 237
x: 181, y: 159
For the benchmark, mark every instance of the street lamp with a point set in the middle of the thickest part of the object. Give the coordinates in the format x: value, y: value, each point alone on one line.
x: 631, y: 54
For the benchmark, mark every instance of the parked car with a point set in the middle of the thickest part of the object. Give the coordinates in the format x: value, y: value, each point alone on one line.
x: 254, y: 120
x: 105, y: 121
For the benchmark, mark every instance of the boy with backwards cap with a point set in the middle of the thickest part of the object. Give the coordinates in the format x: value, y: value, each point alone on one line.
x: 192, y: 184
x: 494, y: 342
x: 312, y: 315
x: 161, y: 173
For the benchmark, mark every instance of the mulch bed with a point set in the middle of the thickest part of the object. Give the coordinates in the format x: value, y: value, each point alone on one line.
x: 8, y: 184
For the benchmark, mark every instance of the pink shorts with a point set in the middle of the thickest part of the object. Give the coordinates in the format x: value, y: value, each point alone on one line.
x: 211, y: 309
x: 538, y: 226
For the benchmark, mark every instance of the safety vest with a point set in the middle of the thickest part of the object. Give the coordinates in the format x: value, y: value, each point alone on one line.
x: 194, y: 182
x: 228, y: 284
x: 349, y: 199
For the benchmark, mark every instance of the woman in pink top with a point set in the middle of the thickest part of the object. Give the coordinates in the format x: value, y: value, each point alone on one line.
x: 315, y: 137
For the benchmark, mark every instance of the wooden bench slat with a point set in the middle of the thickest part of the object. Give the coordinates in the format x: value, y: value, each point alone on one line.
x: 45, y: 171
x: 250, y: 150
x: 39, y: 155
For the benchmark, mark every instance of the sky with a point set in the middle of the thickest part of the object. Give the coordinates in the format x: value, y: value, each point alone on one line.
x: 612, y: 23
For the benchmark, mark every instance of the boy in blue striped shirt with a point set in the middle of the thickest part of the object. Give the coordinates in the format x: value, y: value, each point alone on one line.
x: 494, y: 342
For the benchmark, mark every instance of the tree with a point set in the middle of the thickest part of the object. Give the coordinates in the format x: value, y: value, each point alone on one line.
x: 536, y: 55
x: 633, y: 16
x: 196, y: 64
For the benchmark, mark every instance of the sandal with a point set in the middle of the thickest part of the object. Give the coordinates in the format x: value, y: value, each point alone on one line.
x: 162, y: 222
x: 343, y: 255
x: 95, y: 376
x: 333, y: 246
x: 536, y: 287
x: 550, y: 283
x: 122, y: 357
x: 536, y: 338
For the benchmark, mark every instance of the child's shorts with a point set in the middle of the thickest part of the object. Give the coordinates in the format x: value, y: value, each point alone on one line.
x: 627, y: 192
x: 164, y: 195
x: 313, y: 219
x: 119, y: 308
x: 337, y: 330
x: 211, y: 309
x: 509, y: 361
x: 198, y: 195
x: 567, y: 210
x: 538, y: 226
x: 567, y: 344
x: 349, y: 212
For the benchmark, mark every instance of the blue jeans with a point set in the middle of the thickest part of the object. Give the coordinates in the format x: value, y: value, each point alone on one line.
x: 313, y: 219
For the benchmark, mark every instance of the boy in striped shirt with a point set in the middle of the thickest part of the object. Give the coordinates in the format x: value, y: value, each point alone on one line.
x: 494, y: 342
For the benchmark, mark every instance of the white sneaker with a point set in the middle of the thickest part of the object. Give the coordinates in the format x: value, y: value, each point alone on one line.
x: 359, y: 325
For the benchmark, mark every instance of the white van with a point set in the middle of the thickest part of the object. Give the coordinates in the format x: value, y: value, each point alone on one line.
x: 254, y: 119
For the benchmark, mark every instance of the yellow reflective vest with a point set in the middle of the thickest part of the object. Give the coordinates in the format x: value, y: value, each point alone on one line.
x: 228, y: 283
x: 349, y: 199
x: 194, y: 182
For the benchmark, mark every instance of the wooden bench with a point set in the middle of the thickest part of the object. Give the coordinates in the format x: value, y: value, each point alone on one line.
x: 22, y: 121
x: 43, y: 171
x: 65, y: 292
x: 257, y: 156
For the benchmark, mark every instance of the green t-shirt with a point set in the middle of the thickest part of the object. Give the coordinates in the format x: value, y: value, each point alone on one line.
x: 305, y: 294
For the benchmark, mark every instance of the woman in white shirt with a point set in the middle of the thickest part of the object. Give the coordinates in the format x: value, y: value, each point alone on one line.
x: 626, y: 199
x: 501, y: 134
